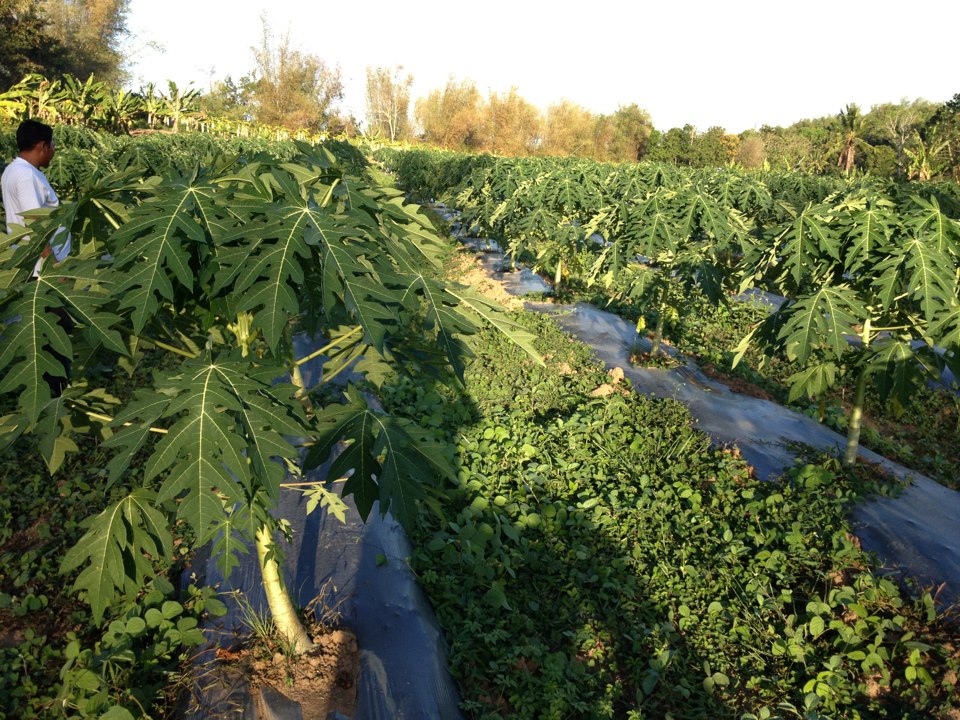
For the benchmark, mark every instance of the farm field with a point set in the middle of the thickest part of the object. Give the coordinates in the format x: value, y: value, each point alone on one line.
x: 588, y: 552
x: 869, y: 270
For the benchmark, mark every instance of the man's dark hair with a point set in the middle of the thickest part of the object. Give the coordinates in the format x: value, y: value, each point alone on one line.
x: 32, y: 132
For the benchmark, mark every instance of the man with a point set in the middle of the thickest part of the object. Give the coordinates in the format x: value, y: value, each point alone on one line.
x: 25, y: 188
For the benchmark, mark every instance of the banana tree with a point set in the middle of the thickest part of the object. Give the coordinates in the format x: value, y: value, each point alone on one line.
x: 81, y: 100
x: 870, y: 292
x: 217, y: 267
x: 179, y: 104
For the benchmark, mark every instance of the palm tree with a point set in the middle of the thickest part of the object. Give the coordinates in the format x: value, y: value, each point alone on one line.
x: 851, y: 122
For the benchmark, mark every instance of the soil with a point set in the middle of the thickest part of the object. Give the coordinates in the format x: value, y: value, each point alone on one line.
x: 322, y: 680
x: 736, y: 384
x: 466, y: 269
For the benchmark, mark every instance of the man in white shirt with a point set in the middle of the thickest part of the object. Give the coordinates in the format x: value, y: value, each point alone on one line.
x: 25, y: 188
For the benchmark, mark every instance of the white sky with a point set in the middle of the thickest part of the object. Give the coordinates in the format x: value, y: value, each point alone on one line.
x: 735, y: 63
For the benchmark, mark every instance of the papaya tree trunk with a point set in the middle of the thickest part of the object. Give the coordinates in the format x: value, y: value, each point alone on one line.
x: 856, y: 414
x: 661, y: 317
x: 281, y: 606
x: 658, y: 332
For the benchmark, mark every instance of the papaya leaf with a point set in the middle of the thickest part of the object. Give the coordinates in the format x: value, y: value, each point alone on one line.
x: 807, y: 245
x: 134, y: 423
x: 896, y: 369
x: 354, y: 424
x: 412, y: 459
x: 203, y: 455
x: 31, y: 334
x: 870, y: 230
x: 233, y: 534
x: 928, y: 221
x: 150, y: 249
x: 812, y: 381
x: 116, y: 550
x: 494, y: 316
x: 821, y: 320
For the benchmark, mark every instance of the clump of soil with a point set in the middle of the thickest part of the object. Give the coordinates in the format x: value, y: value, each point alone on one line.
x: 322, y: 680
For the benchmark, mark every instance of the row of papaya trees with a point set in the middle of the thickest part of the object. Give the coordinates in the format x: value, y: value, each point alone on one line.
x: 218, y: 264
x: 868, y: 268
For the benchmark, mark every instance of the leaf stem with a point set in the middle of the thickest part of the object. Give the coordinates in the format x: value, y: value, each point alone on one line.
x: 325, y: 348
x: 107, y: 419
x: 174, y: 349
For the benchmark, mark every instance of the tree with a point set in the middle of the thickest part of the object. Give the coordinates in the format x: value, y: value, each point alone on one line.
x: 568, y: 130
x: 632, y: 128
x: 851, y: 124
x: 178, y: 104
x: 453, y: 117
x: 207, y: 265
x: 511, y: 125
x: 674, y: 146
x: 940, y: 139
x: 291, y: 88
x: 229, y: 99
x: 25, y: 46
x: 388, y: 102
x: 897, y: 123
x: 712, y: 148
x: 752, y: 152
x: 87, y: 36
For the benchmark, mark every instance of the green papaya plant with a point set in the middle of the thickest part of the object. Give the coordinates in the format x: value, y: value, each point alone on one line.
x: 218, y: 267
x: 870, y: 291
x: 680, y: 236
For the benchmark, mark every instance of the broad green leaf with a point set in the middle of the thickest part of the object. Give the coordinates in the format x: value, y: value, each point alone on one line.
x: 151, y: 249
x: 809, y: 246
x: 355, y: 424
x: 31, y: 333
x: 896, y: 369
x: 821, y: 320
x: 446, y: 318
x: 116, y: 550
x: 493, y: 315
x: 411, y: 460
x: 812, y: 381
x: 228, y: 428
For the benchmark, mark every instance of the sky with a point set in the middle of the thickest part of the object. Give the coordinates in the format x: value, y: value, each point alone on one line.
x: 736, y: 64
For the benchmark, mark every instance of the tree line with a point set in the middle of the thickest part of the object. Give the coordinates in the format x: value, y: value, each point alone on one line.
x: 296, y: 90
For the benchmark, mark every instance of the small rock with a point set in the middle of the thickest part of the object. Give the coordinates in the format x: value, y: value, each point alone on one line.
x: 278, y: 658
x: 615, y: 375
x: 564, y: 368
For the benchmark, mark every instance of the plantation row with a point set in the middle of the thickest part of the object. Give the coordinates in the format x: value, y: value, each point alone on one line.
x: 212, y: 263
x: 868, y: 259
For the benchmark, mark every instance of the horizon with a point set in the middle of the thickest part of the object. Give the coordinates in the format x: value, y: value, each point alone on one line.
x: 675, y: 86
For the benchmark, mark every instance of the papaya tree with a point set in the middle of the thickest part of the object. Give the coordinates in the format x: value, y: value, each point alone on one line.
x: 681, y: 239
x: 219, y: 267
x: 870, y: 292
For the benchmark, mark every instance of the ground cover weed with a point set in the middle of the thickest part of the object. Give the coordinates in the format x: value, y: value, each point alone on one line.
x: 598, y: 558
